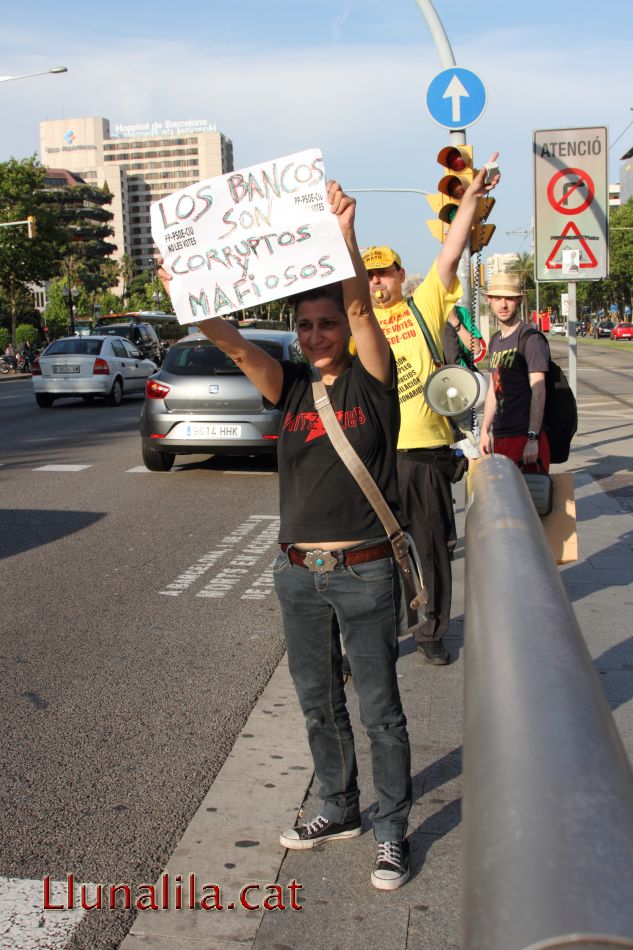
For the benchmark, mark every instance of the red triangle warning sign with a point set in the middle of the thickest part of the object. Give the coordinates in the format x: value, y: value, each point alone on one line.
x: 571, y: 228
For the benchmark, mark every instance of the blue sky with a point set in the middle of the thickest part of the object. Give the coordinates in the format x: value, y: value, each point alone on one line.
x: 347, y: 77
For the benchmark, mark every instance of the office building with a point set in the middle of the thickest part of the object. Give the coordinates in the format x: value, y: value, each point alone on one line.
x: 499, y: 264
x: 139, y: 163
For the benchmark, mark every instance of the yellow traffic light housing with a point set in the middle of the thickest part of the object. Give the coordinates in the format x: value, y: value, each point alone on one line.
x: 31, y: 227
x: 437, y: 227
x: 482, y: 233
x: 457, y: 162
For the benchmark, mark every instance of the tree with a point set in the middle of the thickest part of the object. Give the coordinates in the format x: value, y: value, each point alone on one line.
x: 25, y: 333
x: 82, y: 210
x: 57, y: 312
x: 126, y: 271
x: 24, y: 260
x: 620, y: 279
x: 523, y: 267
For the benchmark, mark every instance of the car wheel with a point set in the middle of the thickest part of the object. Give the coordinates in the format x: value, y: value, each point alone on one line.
x: 44, y: 400
x: 116, y: 393
x: 157, y: 461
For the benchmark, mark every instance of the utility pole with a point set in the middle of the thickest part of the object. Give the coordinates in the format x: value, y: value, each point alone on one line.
x: 447, y: 59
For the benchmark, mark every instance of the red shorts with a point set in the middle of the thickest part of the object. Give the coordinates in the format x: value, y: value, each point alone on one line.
x: 512, y: 447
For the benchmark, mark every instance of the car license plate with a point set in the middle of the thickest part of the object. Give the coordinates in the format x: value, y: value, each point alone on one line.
x: 213, y: 431
x: 65, y: 369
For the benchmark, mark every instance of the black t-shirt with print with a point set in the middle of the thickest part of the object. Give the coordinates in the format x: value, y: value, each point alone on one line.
x: 509, y: 376
x: 319, y: 499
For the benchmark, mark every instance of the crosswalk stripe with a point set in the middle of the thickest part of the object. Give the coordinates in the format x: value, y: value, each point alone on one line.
x: 61, y: 468
x: 25, y: 925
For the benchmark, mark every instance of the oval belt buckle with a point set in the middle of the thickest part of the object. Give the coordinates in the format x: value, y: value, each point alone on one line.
x: 320, y: 561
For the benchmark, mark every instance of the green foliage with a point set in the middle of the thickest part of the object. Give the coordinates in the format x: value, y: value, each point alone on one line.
x: 57, y: 313
x: 109, y: 303
x: 126, y: 271
x: 137, y: 285
x: 81, y: 209
x: 25, y: 260
x: 620, y: 279
x: 5, y: 336
x: 25, y: 333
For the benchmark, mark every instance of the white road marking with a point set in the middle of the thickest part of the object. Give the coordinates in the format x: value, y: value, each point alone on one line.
x: 25, y: 925
x: 139, y: 468
x: 206, y: 562
x: 61, y: 468
x: 223, y: 582
x: 248, y: 473
x: 261, y: 587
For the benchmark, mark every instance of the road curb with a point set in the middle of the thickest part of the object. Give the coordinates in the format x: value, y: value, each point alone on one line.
x: 233, y: 839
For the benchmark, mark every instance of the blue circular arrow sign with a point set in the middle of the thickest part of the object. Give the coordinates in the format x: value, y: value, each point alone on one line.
x: 456, y: 98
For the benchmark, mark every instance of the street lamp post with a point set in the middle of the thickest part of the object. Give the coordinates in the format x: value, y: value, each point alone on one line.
x: 71, y: 297
x: 45, y: 72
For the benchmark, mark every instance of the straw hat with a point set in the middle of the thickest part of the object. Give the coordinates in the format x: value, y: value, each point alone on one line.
x: 504, y: 285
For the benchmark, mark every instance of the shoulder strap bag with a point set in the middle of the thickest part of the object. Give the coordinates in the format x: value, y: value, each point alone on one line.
x: 404, y: 550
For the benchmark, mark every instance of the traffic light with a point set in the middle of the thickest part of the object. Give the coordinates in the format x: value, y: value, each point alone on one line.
x: 457, y: 164
x: 31, y: 228
x: 437, y: 227
x: 481, y: 233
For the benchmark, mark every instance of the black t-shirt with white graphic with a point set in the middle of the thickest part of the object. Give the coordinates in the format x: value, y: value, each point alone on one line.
x: 319, y: 499
x: 510, y: 378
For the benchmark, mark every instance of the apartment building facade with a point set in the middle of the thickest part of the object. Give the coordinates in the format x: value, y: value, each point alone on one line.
x: 139, y: 163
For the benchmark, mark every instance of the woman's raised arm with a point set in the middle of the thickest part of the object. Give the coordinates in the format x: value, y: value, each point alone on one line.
x: 263, y: 370
x: 371, y: 344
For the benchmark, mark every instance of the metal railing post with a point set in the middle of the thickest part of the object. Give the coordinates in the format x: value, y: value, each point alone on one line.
x: 548, y: 788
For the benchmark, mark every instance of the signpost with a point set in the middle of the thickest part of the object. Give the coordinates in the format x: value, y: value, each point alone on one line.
x: 456, y: 98
x: 571, y: 208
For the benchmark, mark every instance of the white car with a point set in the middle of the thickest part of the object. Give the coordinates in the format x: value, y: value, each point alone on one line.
x: 558, y: 329
x: 88, y: 366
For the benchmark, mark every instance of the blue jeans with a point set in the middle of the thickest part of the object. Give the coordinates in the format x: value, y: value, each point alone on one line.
x: 366, y: 600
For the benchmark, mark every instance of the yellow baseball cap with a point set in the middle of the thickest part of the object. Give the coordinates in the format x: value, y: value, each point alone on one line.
x: 375, y: 258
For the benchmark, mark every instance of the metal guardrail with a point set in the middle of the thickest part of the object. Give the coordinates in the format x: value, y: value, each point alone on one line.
x: 548, y: 788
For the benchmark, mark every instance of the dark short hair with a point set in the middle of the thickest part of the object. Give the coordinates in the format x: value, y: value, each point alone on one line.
x: 333, y: 292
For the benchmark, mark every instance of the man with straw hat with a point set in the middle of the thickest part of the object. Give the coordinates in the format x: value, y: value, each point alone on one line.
x: 512, y: 422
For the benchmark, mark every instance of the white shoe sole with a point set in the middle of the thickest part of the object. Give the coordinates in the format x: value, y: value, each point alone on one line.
x: 389, y: 885
x: 297, y: 844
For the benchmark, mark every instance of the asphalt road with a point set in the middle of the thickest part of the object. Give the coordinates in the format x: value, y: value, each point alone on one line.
x: 138, y: 629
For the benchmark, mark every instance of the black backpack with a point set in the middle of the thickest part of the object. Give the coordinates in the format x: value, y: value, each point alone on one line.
x: 561, y: 411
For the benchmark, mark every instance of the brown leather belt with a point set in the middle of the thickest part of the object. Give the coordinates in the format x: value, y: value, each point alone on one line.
x: 322, y: 561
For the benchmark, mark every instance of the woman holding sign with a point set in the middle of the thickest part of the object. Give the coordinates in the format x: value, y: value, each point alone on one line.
x: 335, y: 558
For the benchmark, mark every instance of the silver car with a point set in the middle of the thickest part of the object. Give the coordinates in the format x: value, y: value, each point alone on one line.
x: 89, y: 366
x: 200, y: 402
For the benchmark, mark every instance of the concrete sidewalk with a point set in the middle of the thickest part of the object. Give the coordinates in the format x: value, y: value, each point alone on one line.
x: 233, y: 839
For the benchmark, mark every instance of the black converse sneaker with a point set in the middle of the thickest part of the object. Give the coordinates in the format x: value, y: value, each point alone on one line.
x: 391, y: 869
x: 320, y: 829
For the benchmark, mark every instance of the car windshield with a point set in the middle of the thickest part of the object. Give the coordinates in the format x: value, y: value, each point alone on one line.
x: 202, y: 358
x: 112, y: 330
x: 78, y: 346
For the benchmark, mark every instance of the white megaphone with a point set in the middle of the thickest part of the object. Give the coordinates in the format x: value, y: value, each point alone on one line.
x: 454, y: 391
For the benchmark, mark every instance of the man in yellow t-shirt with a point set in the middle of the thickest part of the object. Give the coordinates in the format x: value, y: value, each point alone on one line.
x: 425, y: 460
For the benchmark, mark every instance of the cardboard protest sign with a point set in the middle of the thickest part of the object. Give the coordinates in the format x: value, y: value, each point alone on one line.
x: 249, y: 237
